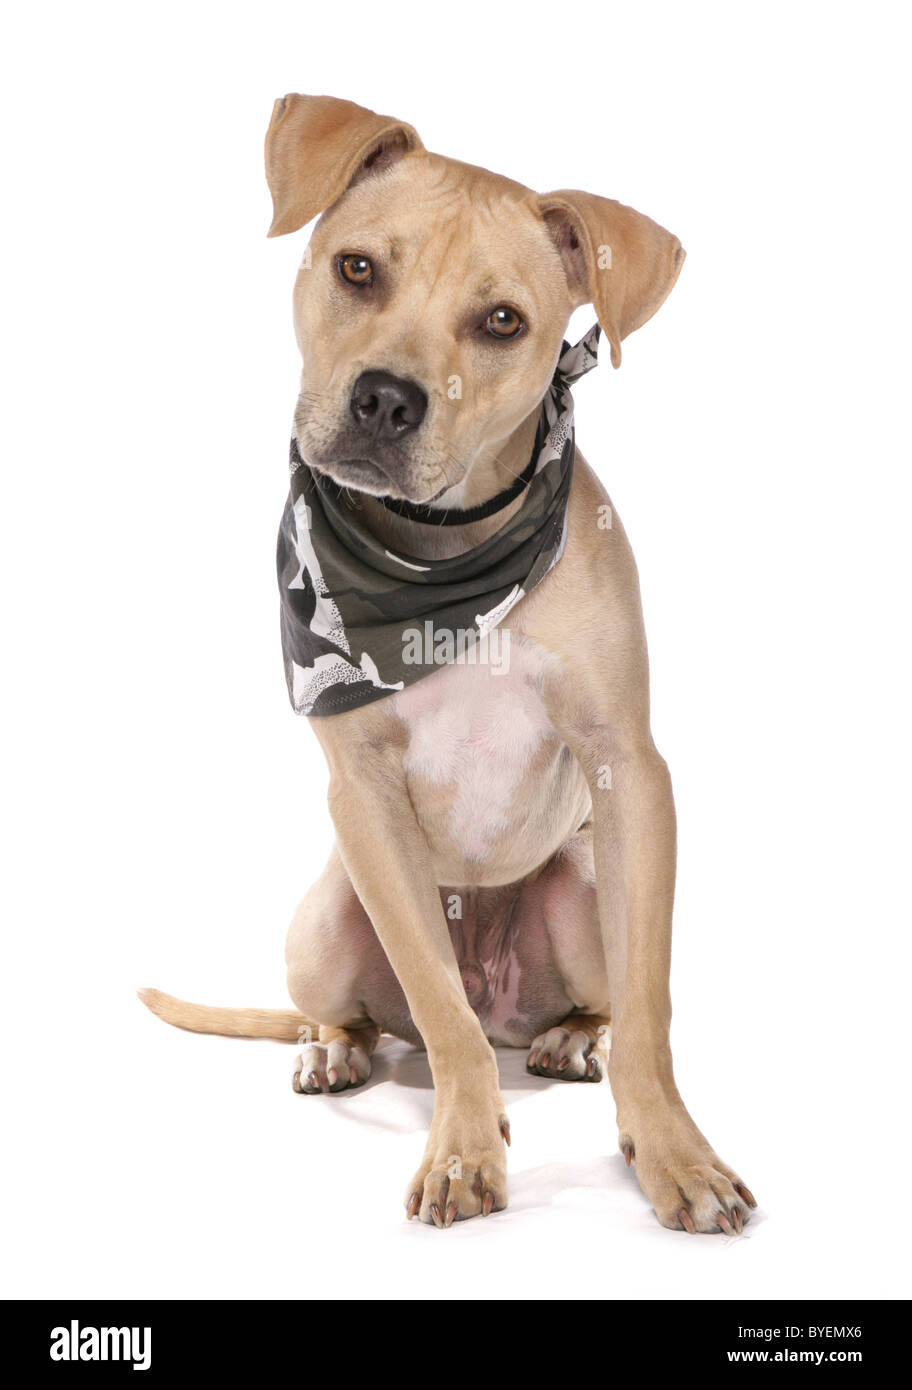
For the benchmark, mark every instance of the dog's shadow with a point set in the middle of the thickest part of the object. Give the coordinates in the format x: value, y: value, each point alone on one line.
x: 586, y: 1186
x: 409, y: 1071
x: 582, y: 1189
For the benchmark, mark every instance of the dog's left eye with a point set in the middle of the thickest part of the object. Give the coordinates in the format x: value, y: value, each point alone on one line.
x: 503, y: 322
x: 357, y: 270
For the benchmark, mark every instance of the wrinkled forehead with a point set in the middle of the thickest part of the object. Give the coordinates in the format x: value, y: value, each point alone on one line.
x: 442, y: 218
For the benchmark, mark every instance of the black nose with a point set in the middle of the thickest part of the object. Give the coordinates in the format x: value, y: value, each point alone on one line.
x: 386, y: 406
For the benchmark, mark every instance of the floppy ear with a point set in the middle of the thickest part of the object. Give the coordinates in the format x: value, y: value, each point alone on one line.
x: 317, y: 146
x: 616, y: 259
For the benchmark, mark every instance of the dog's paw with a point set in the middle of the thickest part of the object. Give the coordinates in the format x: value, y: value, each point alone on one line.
x: 565, y: 1056
x: 474, y: 1185
x: 691, y: 1191
x: 463, y: 1173
x: 330, y: 1067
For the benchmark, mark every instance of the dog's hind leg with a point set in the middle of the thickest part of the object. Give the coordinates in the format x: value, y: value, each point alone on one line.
x: 575, y: 1050
x: 338, y: 1060
x: 336, y: 963
x: 560, y: 905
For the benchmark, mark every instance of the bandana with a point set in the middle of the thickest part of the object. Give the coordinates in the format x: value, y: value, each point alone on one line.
x: 360, y: 621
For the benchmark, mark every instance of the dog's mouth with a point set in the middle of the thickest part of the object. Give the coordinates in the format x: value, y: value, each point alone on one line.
x: 368, y: 476
x: 359, y: 474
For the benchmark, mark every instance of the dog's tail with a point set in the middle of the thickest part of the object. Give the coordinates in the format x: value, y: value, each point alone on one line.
x: 283, y: 1025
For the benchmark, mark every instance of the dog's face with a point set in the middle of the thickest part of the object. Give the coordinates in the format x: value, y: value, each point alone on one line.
x: 433, y: 297
x: 429, y: 314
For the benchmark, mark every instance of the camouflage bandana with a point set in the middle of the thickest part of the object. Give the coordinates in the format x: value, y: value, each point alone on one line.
x: 360, y: 621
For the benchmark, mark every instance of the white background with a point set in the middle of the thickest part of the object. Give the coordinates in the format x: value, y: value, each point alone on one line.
x: 165, y: 809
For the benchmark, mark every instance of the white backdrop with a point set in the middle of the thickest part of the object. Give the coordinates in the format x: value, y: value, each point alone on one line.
x: 164, y: 808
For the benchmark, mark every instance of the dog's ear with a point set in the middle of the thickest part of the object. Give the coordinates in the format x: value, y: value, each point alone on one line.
x: 616, y: 259
x: 317, y: 146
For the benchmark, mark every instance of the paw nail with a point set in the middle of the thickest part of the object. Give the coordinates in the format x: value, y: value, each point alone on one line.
x: 628, y: 1151
x: 332, y: 1076
x: 313, y: 1080
x: 563, y: 1064
x: 450, y: 1214
x: 414, y: 1202
x: 724, y: 1224
x: 736, y: 1219
x: 353, y: 1076
x: 487, y: 1203
x: 686, y: 1221
x: 746, y: 1193
x: 296, y: 1082
x: 532, y: 1060
x: 436, y: 1217
x: 546, y: 1060
x: 505, y: 1129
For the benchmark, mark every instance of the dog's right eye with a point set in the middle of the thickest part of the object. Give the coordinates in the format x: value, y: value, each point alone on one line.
x: 504, y: 322
x: 357, y: 270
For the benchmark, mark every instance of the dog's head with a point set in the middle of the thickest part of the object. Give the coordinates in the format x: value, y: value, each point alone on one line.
x: 433, y: 296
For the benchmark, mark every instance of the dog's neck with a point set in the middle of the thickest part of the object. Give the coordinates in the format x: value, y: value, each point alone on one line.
x: 486, y: 479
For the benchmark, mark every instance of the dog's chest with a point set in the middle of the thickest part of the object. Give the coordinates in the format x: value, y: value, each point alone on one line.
x: 483, y: 761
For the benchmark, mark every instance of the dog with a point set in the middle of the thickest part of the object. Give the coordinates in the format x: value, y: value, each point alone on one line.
x: 504, y: 866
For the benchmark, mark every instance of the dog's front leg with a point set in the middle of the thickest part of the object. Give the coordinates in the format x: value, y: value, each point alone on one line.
x: 634, y: 842
x: 387, y: 858
x: 634, y: 833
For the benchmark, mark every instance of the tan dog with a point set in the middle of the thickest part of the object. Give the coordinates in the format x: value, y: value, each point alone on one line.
x: 534, y: 798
